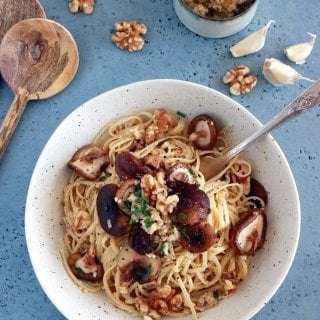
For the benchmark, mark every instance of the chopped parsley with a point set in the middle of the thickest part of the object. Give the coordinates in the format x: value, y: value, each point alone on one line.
x: 181, y: 229
x: 149, y: 270
x: 162, y: 142
x: 181, y: 114
x: 79, y: 270
x: 103, y: 178
x: 182, y: 215
x: 163, y: 250
x: 216, y: 294
x: 140, y: 209
x: 148, y: 223
x: 191, y: 172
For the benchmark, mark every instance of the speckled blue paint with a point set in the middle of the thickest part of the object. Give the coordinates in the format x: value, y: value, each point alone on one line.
x: 171, y: 51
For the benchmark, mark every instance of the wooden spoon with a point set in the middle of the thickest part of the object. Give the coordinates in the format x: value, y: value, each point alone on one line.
x: 13, y: 11
x: 38, y: 59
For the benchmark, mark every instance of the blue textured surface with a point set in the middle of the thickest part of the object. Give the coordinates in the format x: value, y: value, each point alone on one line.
x: 171, y: 51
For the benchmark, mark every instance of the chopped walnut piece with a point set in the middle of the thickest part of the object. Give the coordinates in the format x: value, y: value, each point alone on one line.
x: 160, y: 306
x: 153, y: 160
x: 164, y: 299
x: 176, y: 303
x: 159, y: 127
x: 128, y: 35
x: 166, y: 205
x: 83, y: 5
x: 205, y: 301
x: 239, y: 79
x: 144, y: 308
x: 82, y: 221
x: 162, y: 292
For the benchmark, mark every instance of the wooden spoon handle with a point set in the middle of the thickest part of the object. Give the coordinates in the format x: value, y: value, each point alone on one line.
x: 11, y: 120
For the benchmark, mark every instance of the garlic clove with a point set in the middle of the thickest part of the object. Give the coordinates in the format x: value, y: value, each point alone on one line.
x: 279, y: 74
x: 251, y: 44
x: 299, y: 52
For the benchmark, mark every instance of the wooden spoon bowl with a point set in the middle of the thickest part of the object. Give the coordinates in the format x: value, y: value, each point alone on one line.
x: 38, y: 59
x: 13, y: 11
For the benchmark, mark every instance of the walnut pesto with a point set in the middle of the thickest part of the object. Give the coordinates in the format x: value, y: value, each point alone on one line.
x: 218, y: 9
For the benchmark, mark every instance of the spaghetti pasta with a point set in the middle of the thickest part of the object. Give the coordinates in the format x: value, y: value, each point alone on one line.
x: 188, y: 281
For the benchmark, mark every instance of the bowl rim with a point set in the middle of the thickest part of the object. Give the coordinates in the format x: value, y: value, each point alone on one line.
x: 29, y: 222
x: 182, y: 2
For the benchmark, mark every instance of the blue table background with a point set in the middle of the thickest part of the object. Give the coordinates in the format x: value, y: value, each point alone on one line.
x: 171, y: 51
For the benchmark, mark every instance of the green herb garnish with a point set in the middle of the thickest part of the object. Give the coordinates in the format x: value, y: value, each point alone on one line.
x: 182, y: 215
x: 191, y: 172
x: 79, y: 270
x: 149, y: 270
x: 181, y: 229
x: 148, y: 223
x: 132, y: 221
x: 162, y: 249
x: 181, y: 114
x: 103, y: 178
x: 162, y: 142
x: 216, y: 294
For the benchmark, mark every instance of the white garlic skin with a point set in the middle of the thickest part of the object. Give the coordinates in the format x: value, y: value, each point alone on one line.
x: 299, y: 52
x: 252, y: 43
x: 280, y: 74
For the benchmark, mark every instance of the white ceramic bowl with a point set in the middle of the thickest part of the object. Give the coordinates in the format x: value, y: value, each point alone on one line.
x: 214, y: 28
x: 43, y: 217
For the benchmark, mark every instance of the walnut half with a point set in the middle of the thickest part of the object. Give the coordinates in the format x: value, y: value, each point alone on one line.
x: 128, y: 35
x: 239, y: 79
x: 83, y: 5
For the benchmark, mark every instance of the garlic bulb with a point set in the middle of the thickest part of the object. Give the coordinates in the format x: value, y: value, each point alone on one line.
x: 251, y: 44
x: 299, y: 52
x: 279, y: 74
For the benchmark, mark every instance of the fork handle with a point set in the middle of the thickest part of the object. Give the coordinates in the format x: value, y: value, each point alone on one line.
x: 306, y: 101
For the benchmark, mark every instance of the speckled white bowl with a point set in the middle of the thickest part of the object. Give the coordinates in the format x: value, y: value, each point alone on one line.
x: 44, y: 212
x: 214, y: 28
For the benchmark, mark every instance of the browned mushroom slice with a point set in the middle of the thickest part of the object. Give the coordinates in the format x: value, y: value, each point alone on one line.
x: 111, y: 218
x: 128, y: 166
x: 125, y: 190
x: 180, y: 172
x: 257, y: 190
x: 249, y: 233
x: 139, y: 240
x: 203, y: 132
x: 89, y: 161
x: 137, y: 267
x: 86, y: 267
x: 193, y: 205
x: 198, y: 238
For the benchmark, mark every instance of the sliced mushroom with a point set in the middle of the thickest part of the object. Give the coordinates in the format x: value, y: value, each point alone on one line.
x: 139, y: 240
x: 258, y: 190
x: 89, y: 161
x: 180, y: 172
x: 112, y: 219
x: 86, y: 267
x: 193, y: 205
x: 198, y: 238
x: 249, y: 233
x: 128, y: 166
x: 125, y: 189
x: 203, y: 132
x: 134, y: 266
